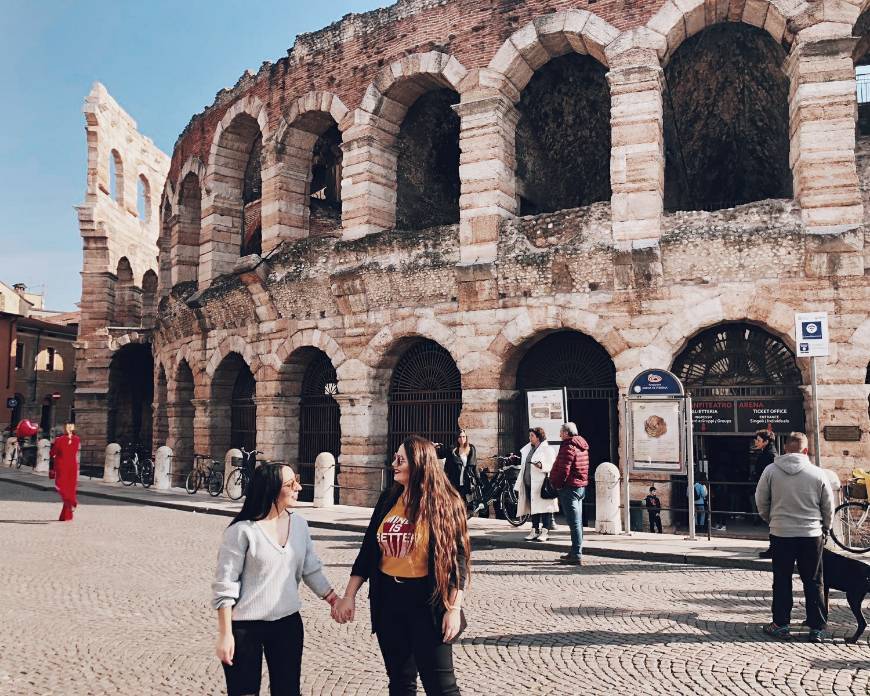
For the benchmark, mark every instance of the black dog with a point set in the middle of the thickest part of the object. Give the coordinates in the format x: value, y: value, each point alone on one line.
x: 852, y: 577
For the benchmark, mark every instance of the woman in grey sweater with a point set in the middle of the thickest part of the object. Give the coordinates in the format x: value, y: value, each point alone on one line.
x: 266, y: 552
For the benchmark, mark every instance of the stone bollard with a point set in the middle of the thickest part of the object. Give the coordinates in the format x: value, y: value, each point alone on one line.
x: 111, y: 469
x: 9, y: 450
x: 607, y: 512
x: 163, y: 468
x: 837, y: 522
x: 228, y: 468
x: 324, y: 480
x: 43, y: 449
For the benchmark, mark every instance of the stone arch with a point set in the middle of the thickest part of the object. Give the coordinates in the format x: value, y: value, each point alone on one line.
x: 189, y: 355
x: 186, y: 235
x: 232, y: 390
x: 116, y: 177
x: 677, y: 22
x: 379, y: 352
x: 313, y: 338
x: 149, y: 297
x: 233, y: 344
x: 128, y: 297
x: 551, y: 36
x: 250, y: 106
x: 119, y: 341
x: 192, y: 165
x: 143, y: 190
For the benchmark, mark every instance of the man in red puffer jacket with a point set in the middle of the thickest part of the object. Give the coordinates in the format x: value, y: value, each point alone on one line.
x: 569, y: 477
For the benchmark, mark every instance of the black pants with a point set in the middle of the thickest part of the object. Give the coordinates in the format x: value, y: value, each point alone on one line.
x: 807, y: 552
x: 281, y: 640
x: 410, y: 642
x: 655, y: 521
x: 542, y: 519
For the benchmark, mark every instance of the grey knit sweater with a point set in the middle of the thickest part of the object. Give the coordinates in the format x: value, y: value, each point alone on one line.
x: 795, y: 497
x: 260, y: 579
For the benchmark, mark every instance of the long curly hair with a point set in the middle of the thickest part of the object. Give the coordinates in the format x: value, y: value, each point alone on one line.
x: 434, y: 503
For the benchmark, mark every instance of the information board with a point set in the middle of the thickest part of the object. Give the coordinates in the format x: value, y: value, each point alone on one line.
x: 548, y: 409
x: 656, y: 435
x: 811, y: 334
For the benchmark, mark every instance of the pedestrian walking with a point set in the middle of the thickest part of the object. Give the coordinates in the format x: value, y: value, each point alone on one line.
x: 537, y: 457
x: 64, y: 460
x: 654, y: 510
x: 266, y: 552
x: 570, y: 476
x: 764, y: 452
x: 460, y: 463
x: 415, y: 555
x: 794, y: 497
x: 701, y: 495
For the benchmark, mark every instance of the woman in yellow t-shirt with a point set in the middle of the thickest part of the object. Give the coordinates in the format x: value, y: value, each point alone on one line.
x: 415, y: 553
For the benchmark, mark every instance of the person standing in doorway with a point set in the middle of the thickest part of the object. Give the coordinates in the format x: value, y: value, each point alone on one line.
x: 701, y: 494
x: 266, y: 552
x: 764, y: 452
x: 415, y: 555
x: 570, y: 476
x: 654, y: 510
x: 458, y: 463
x: 64, y: 455
x: 537, y: 459
x: 795, y: 498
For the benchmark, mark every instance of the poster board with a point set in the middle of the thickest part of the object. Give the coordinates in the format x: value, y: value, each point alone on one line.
x: 547, y: 409
x: 657, y: 435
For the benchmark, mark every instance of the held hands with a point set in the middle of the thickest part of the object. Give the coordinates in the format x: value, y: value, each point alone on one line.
x: 450, y: 624
x: 225, y: 648
x: 344, y: 610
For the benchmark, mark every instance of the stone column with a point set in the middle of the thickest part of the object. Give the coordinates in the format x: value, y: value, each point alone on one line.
x: 637, y: 161
x: 180, y: 415
x: 278, y: 428
x: 487, y: 171
x: 207, y: 417
x: 479, y: 418
x: 286, y: 188
x: 363, y: 457
x: 221, y: 237
x: 822, y: 106
x: 368, y: 180
x: 92, y: 427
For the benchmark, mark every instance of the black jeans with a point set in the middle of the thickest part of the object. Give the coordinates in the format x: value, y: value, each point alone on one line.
x: 410, y: 642
x: 655, y: 521
x: 807, y: 552
x: 281, y: 640
x: 542, y: 519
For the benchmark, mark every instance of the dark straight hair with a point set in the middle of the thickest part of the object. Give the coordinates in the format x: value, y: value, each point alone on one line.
x: 263, y: 491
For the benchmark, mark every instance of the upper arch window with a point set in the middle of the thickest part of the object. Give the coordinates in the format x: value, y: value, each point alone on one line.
x: 49, y: 360
x: 143, y: 198
x: 726, y: 120
x: 116, y: 177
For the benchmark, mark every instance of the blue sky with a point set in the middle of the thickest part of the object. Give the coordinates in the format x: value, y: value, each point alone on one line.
x: 163, y: 61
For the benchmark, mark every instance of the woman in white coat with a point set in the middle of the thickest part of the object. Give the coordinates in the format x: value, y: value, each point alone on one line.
x: 537, y: 459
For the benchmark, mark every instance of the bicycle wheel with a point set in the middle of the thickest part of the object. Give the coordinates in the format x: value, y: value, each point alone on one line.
x: 851, y: 528
x: 215, y: 483
x: 16, y: 456
x: 146, y: 474
x: 127, y: 473
x: 236, y: 484
x: 508, y: 501
x: 193, y: 481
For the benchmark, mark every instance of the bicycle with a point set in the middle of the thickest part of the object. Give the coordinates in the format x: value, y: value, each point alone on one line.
x: 205, y: 473
x: 23, y: 454
x: 240, y: 477
x: 852, y: 519
x: 499, y: 489
x: 132, y: 470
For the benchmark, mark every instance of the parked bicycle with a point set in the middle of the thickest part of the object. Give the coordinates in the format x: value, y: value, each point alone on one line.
x: 851, y: 526
x: 135, y: 470
x: 240, y: 477
x: 23, y: 455
x: 206, y: 473
x: 498, y: 489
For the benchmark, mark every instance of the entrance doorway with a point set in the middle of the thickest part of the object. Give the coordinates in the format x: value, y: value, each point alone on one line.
x: 130, y: 397
x: 319, y: 420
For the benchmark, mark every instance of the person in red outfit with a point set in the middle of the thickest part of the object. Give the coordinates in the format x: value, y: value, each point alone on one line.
x: 64, y: 454
x: 569, y: 476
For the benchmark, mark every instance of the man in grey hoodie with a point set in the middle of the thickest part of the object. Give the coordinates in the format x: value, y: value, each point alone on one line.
x: 795, y: 498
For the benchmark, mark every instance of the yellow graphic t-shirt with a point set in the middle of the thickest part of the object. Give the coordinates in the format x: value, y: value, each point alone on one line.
x: 405, y: 551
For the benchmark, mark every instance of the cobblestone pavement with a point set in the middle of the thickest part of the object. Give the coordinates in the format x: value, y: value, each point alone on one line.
x: 117, y: 603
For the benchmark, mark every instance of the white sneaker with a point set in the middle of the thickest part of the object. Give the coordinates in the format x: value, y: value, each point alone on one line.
x: 544, y: 535
x: 533, y: 535
x: 554, y: 528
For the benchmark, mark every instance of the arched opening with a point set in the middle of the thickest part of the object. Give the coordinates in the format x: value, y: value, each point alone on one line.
x: 116, y: 177
x: 726, y: 120
x: 319, y: 416
x: 164, y: 246
x: 143, y: 198
x: 149, y: 298
x: 563, y: 136
x: 425, y: 396
x: 580, y: 364
x: 181, y: 420
x: 131, y: 395
x: 427, y: 173
x: 742, y: 379
x: 861, y: 31
x: 161, y: 417
x: 128, y: 298
x: 252, y: 193
x: 185, y: 245
x: 325, y: 199
x: 234, y: 422
x: 49, y: 360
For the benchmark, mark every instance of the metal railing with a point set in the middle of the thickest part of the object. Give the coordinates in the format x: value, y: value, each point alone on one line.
x: 862, y: 82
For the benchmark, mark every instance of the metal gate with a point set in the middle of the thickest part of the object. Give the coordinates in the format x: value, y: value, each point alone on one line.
x: 425, y: 396
x: 243, y: 412
x: 319, y: 421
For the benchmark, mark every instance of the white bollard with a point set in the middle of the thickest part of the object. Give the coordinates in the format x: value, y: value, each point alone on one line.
x: 43, y: 449
x: 9, y: 450
x: 607, y: 512
x: 324, y: 480
x: 112, y: 465
x: 163, y: 468
x: 231, y: 454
